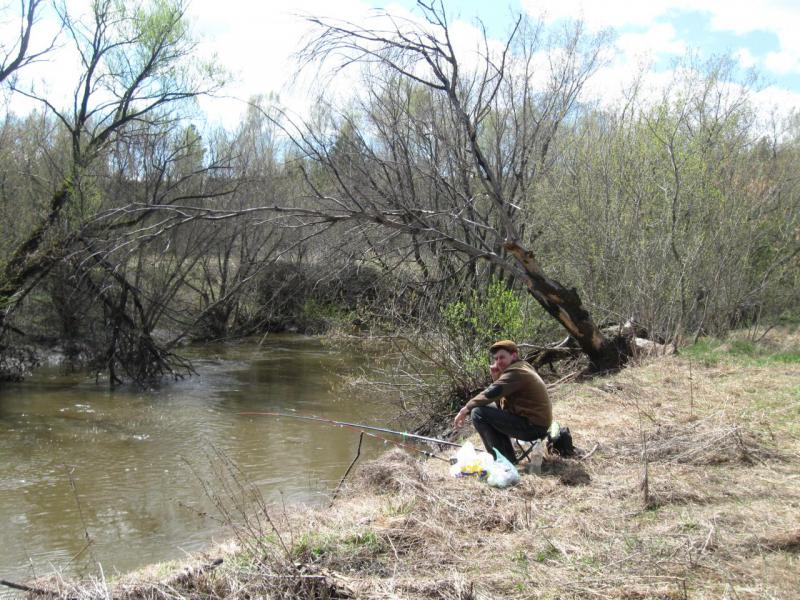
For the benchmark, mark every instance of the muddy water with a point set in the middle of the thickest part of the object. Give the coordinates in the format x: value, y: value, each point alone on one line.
x: 94, y: 476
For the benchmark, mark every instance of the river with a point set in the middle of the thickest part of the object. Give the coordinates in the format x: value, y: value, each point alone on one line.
x: 93, y: 476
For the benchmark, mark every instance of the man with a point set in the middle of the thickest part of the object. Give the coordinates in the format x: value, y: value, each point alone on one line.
x: 524, y: 411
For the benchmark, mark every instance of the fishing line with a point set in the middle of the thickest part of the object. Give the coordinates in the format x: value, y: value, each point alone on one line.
x: 367, y: 430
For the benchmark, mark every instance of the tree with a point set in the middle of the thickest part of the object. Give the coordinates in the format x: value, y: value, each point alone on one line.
x: 18, y: 54
x: 139, y: 78
x: 238, y: 249
x: 687, y: 207
x: 452, y: 156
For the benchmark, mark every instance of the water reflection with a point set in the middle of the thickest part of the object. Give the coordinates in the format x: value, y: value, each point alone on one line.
x: 92, y: 475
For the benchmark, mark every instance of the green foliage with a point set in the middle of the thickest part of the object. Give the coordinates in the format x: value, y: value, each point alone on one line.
x: 789, y: 317
x: 161, y: 23
x: 155, y: 40
x: 742, y: 348
x: 312, y: 544
x: 472, y: 325
x: 319, y: 316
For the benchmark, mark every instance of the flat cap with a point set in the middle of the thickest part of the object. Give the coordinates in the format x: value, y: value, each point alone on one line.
x: 506, y: 345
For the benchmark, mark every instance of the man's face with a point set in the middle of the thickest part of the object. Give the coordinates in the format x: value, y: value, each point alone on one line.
x: 501, y: 359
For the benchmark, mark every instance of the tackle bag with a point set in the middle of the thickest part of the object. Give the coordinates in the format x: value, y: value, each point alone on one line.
x: 559, y: 440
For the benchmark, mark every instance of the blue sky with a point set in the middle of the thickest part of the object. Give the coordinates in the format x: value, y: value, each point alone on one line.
x: 758, y: 34
x: 255, y: 40
x: 764, y: 34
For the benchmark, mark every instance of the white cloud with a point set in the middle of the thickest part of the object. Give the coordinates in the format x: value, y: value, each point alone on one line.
x: 652, y: 36
x: 257, y: 44
x: 784, y: 62
x: 612, y: 85
x: 780, y: 17
x: 745, y: 58
x: 742, y: 16
x: 658, y: 39
x: 776, y: 99
x: 606, y: 13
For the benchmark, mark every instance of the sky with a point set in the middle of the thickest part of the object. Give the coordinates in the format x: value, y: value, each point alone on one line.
x: 761, y: 35
x: 255, y: 40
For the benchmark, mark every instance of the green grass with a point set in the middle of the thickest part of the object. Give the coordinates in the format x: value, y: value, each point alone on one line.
x: 711, y: 352
x: 399, y: 508
x: 546, y: 554
x: 364, y: 541
x: 705, y: 351
x: 312, y: 544
x: 318, y: 545
x: 783, y: 410
x: 792, y: 357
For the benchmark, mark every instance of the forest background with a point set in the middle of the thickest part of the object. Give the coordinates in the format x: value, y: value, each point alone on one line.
x: 446, y: 200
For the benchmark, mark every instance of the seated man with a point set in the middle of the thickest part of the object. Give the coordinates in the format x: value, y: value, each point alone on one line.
x: 524, y: 411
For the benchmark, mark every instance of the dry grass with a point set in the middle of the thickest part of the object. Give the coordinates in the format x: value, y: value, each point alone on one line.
x: 719, y: 516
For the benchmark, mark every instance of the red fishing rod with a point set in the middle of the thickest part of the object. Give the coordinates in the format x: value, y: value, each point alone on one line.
x: 366, y: 429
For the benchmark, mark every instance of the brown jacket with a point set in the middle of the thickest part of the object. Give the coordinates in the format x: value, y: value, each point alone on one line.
x: 523, y: 393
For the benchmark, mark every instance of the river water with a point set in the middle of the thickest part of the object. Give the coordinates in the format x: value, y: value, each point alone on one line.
x: 116, y: 477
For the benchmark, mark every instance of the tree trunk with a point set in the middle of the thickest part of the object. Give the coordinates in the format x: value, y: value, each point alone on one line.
x: 564, y: 305
x: 28, y: 262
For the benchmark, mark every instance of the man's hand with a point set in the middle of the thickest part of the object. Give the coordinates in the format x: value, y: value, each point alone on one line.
x: 458, y: 422
x: 494, y: 371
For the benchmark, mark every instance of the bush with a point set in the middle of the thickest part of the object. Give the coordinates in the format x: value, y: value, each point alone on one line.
x: 472, y: 325
x: 444, y: 363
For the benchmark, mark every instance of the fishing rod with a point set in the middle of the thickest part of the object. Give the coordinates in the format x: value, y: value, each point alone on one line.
x: 366, y: 429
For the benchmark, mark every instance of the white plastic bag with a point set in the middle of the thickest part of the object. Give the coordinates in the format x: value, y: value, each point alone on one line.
x: 502, y: 474
x: 469, y: 462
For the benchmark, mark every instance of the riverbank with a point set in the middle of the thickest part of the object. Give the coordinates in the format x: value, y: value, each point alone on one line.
x: 689, y: 487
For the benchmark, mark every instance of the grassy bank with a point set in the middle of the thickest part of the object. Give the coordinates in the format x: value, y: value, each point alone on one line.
x: 689, y: 487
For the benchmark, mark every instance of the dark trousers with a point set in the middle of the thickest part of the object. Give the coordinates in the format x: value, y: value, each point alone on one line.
x: 496, y: 428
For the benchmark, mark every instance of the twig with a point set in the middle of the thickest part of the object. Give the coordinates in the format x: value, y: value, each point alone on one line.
x: 200, y: 513
x: 31, y: 590
x: 184, y: 577
x: 346, y: 473
x: 103, y: 580
x: 89, y: 540
x: 710, y: 535
x: 553, y: 385
x: 80, y: 552
x: 23, y: 588
x: 691, y: 389
x: 645, y: 482
x: 592, y: 451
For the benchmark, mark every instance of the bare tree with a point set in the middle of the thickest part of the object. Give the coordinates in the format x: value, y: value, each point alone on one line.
x: 452, y: 155
x: 18, y: 54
